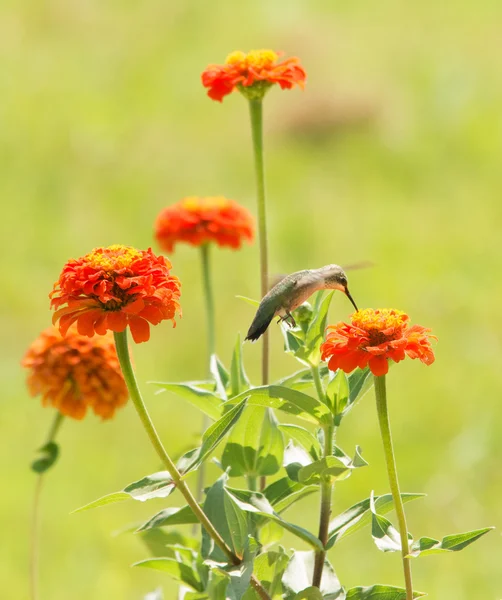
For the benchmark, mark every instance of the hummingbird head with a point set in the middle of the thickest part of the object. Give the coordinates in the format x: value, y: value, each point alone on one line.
x: 335, y: 279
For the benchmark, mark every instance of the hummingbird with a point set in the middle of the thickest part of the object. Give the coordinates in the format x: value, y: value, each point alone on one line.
x: 293, y: 290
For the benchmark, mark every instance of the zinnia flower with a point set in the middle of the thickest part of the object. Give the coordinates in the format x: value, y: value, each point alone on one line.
x: 200, y: 220
x: 74, y: 372
x: 373, y: 337
x: 253, y: 74
x: 115, y: 287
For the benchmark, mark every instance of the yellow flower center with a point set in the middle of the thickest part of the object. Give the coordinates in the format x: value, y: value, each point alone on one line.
x: 194, y: 203
x: 373, y: 320
x: 256, y: 58
x: 114, y: 257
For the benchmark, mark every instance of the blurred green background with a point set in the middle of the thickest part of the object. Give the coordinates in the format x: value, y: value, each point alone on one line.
x: 391, y: 154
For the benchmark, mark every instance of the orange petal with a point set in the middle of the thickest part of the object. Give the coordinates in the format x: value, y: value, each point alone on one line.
x: 378, y: 365
x: 140, y: 329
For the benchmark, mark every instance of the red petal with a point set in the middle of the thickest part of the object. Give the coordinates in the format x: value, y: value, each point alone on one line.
x: 379, y: 365
x: 140, y: 329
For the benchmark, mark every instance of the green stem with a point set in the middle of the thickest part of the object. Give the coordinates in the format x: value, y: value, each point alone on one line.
x: 132, y: 386
x: 35, y: 521
x: 256, y: 114
x: 383, y: 419
x: 326, y: 485
x: 325, y: 512
x: 209, y: 301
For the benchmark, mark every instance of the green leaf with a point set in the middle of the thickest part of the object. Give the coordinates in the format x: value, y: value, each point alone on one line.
x: 259, y: 505
x: 303, y: 437
x: 339, y: 466
x: 385, y: 535
x: 205, y: 400
x: 213, y: 436
x: 170, y: 516
x: 315, y: 334
x: 288, y: 400
x: 48, y: 455
x: 359, y: 515
x: 450, y: 543
x: 220, y: 375
x: 295, y: 458
x: 337, y: 393
x: 228, y: 518
x: 360, y: 381
x: 157, y: 485
x: 268, y: 569
x: 255, y: 447
x: 269, y: 533
x: 379, y: 592
x: 298, y: 577
x: 284, y: 492
x: 162, y: 543
x: 238, y: 378
x: 178, y: 570
x: 249, y: 300
x: 310, y: 593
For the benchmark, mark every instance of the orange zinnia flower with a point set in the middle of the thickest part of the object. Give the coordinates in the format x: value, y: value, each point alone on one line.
x: 374, y: 336
x: 200, y: 220
x: 115, y: 287
x: 253, y: 74
x: 74, y: 373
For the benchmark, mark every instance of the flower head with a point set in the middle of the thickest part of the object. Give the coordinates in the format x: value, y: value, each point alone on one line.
x: 373, y: 337
x: 200, y: 220
x: 253, y: 74
x: 115, y: 287
x: 74, y: 372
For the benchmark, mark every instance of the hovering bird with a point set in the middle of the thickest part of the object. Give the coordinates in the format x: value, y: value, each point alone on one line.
x: 293, y: 290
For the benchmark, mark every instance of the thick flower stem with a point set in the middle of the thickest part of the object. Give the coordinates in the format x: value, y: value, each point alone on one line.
x: 35, y: 522
x: 325, y: 513
x: 132, y: 386
x: 326, y: 486
x: 256, y: 113
x: 209, y: 301
x: 383, y: 419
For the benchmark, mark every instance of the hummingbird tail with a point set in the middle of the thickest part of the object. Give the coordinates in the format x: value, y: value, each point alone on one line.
x: 258, y: 327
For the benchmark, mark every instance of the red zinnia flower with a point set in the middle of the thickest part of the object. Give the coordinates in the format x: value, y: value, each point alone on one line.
x: 74, y: 373
x: 200, y: 220
x: 252, y: 74
x: 374, y: 336
x: 115, y: 287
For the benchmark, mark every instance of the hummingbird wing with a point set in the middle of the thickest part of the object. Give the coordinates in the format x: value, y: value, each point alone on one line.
x: 273, y: 303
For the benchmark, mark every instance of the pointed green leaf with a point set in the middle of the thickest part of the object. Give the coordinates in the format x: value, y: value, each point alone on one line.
x: 170, y: 516
x: 315, y: 334
x: 450, y: 543
x: 259, y: 505
x: 220, y: 375
x: 268, y: 569
x: 337, y: 393
x: 359, y: 515
x: 178, y: 570
x: 295, y: 458
x: 103, y: 501
x: 250, y: 301
x: 379, y: 592
x: 162, y: 543
x: 336, y: 467
x: 255, y: 447
x: 303, y: 437
x: 284, y: 492
x: 299, y: 572
x: 228, y: 518
x: 205, y: 400
x: 288, y: 400
x: 385, y: 535
x: 213, y: 436
x: 238, y: 378
x: 48, y: 455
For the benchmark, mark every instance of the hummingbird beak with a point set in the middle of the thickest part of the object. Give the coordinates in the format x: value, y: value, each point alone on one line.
x: 347, y: 293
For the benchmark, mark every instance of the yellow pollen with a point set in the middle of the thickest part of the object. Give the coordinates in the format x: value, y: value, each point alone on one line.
x: 194, y: 203
x: 371, y: 319
x: 114, y: 257
x: 256, y: 58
